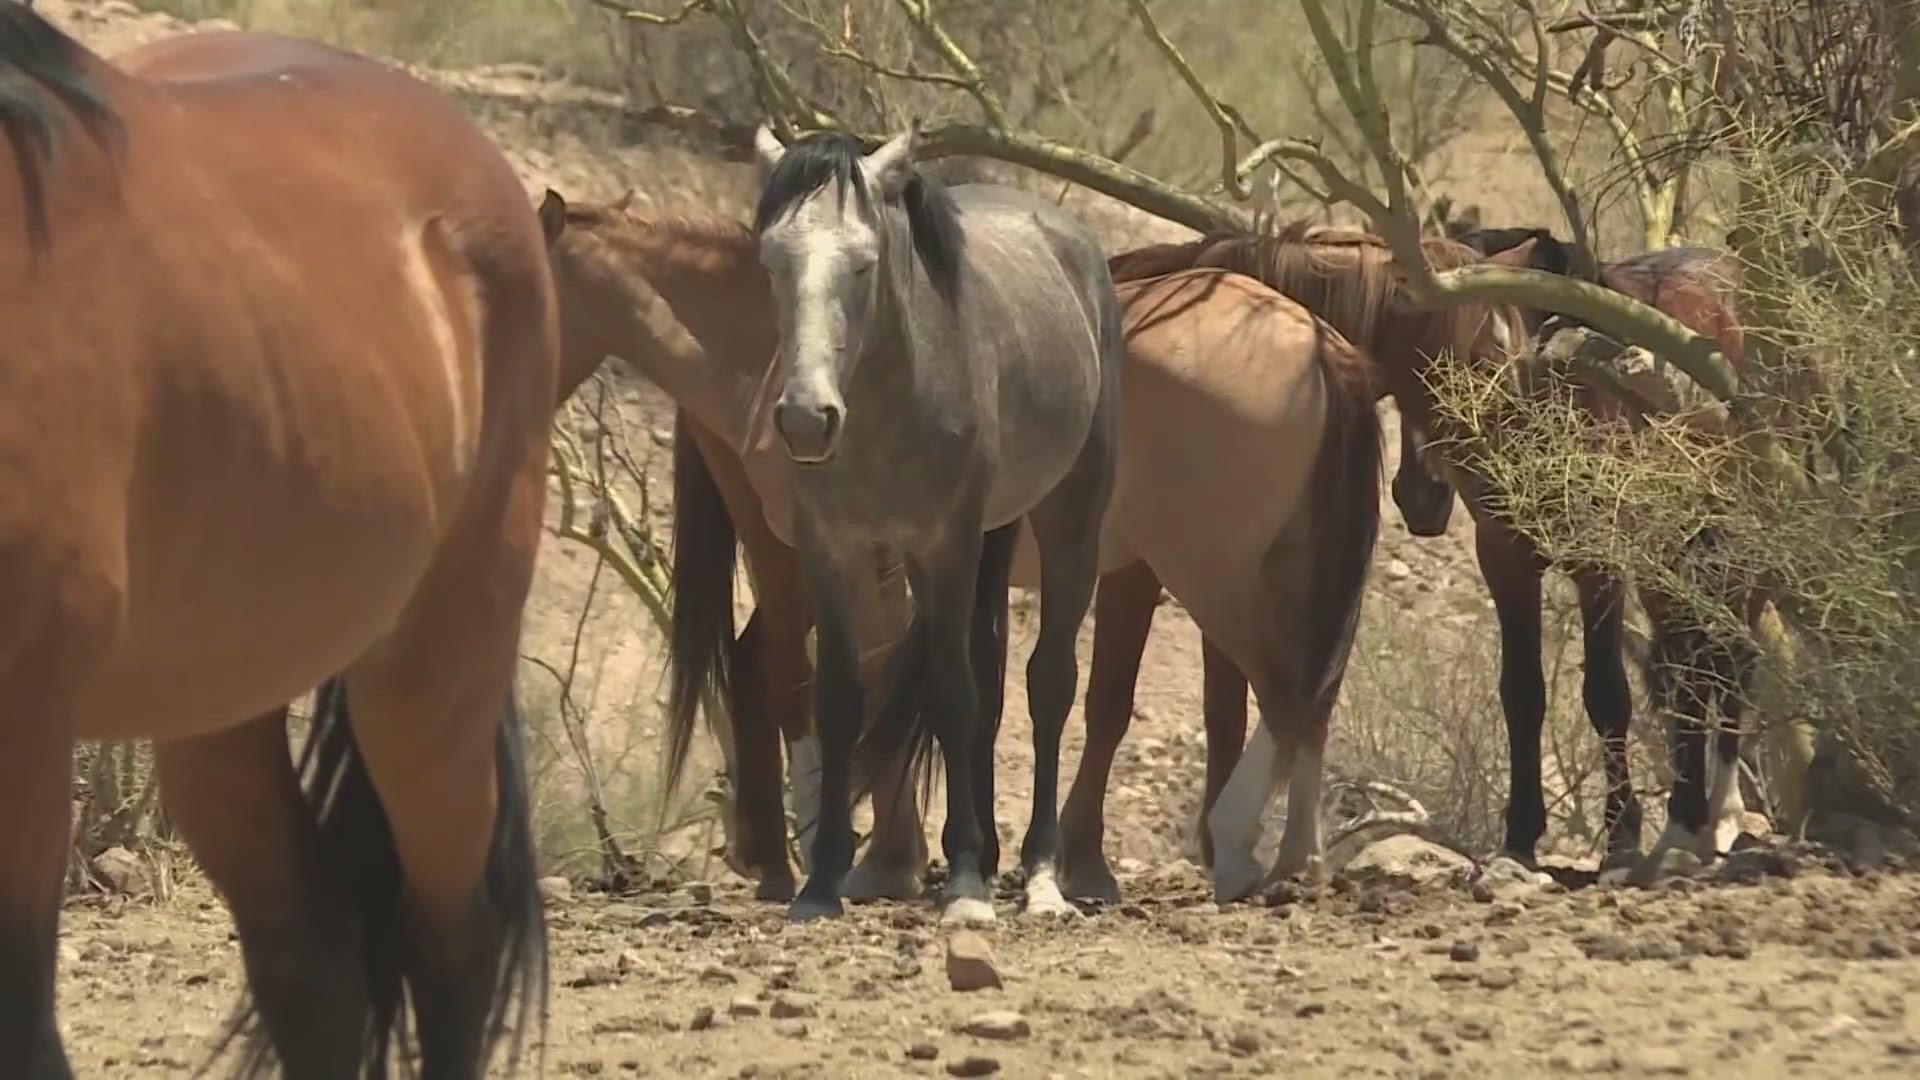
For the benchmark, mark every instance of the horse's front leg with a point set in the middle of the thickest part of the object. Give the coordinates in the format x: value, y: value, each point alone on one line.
x: 837, y: 718
x: 945, y: 587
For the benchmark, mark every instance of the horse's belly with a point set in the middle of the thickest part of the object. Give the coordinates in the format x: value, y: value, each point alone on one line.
x: 265, y: 605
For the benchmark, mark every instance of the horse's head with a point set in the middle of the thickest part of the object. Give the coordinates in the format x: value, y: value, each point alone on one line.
x: 823, y: 227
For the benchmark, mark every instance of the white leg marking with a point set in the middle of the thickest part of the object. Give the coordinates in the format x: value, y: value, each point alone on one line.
x: 967, y: 911
x: 803, y: 772
x: 1235, y: 820
x: 1044, y: 897
x: 1724, y: 808
x: 1301, y: 845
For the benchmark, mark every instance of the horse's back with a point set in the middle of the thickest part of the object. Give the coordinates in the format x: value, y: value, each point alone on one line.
x: 323, y: 333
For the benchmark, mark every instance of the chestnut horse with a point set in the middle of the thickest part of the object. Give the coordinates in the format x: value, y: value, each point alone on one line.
x: 1222, y: 355
x: 281, y: 355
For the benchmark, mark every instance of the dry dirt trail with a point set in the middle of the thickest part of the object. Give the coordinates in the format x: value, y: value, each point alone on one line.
x: 1811, y: 975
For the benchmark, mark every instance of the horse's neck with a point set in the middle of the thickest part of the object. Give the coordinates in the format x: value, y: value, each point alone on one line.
x: 727, y: 313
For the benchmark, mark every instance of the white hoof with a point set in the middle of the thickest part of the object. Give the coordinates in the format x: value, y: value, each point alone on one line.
x: 1044, y: 896
x: 967, y: 911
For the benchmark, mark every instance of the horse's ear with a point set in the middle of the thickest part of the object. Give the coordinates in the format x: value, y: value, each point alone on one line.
x: 768, y: 147
x: 1520, y: 254
x: 624, y: 201
x: 891, y: 166
x: 553, y: 215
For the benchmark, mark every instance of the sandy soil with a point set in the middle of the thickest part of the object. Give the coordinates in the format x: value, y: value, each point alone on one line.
x: 1809, y: 976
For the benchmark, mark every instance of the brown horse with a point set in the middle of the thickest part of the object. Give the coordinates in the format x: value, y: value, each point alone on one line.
x: 1223, y: 356
x: 302, y: 305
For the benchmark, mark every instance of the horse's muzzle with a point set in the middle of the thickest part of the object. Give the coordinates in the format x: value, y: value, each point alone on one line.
x: 810, y: 430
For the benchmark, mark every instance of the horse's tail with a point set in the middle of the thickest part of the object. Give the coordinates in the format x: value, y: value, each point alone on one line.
x: 900, y: 728
x: 355, y: 834
x: 700, y: 638
x: 1345, y: 488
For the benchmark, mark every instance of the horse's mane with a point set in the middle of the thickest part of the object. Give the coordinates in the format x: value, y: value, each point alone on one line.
x: 39, y: 67
x: 1345, y: 276
x: 833, y: 157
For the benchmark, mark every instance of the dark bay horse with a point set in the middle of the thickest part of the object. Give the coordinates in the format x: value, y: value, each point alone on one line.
x: 1692, y: 674
x: 279, y: 370
x: 948, y: 364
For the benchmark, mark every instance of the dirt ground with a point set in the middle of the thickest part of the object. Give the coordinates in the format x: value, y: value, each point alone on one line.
x: 1812, y: 975
x: 1809, y: 977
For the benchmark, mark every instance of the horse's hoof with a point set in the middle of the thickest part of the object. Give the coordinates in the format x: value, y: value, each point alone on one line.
x: 968, y: 911
x: 809, y: 908
x: 1044, y: 898
x: 777, y: 889
x: 1234, y: 878
x: 873, y: 883
x: 1096, y: 883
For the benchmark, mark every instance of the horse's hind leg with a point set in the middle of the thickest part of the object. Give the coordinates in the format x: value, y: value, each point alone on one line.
x: 1609, y: 702
x: 35, y: 792
x: 432, y: 715
x: 236, y: 800
x: 1123, y: 611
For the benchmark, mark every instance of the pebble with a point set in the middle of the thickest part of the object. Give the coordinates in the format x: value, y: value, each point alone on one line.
x: 973, y: 1065
x: 702, y: 1019
x: 792, y: 1029
x: 1000, y: 1025
x: 788, y: 1005
x: 923, y: 1051
x: 743, y: 1006
x: 1464, y: 952
x: 970, y: 963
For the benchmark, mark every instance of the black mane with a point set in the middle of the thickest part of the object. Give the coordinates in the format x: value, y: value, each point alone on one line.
x: 39, y: 67
x: 833, y: 157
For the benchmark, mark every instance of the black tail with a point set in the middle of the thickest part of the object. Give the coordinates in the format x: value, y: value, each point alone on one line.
x: 700, y: 640
x: 1345, y: 485
x: 358, y: 842
x: 901, y: 726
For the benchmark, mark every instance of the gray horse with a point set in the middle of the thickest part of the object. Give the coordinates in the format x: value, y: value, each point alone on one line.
x: 948, y: 364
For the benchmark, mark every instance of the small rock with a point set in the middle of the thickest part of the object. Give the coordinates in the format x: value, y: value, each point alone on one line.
x: 1463, y: 952
x: 1498, y: 978
x: 970, y: 963
x: 1398, y: 571
x: 556, y: 888
x: 973, y: 1065
x: 923, y: 1051
x: 788, y: 1005
x: 790, y: 1028
x: 702, y: 1019
x: 595, y: 975
x: 1001, y: 1025
x: 1310, y: 1010
x: 743, y: 1007
x: 653, y: 919
x: 1244, y: 1041
x: 715, y: 975
x: 123, y: 872
x: 1406, y: 861
x: 631, y: 961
